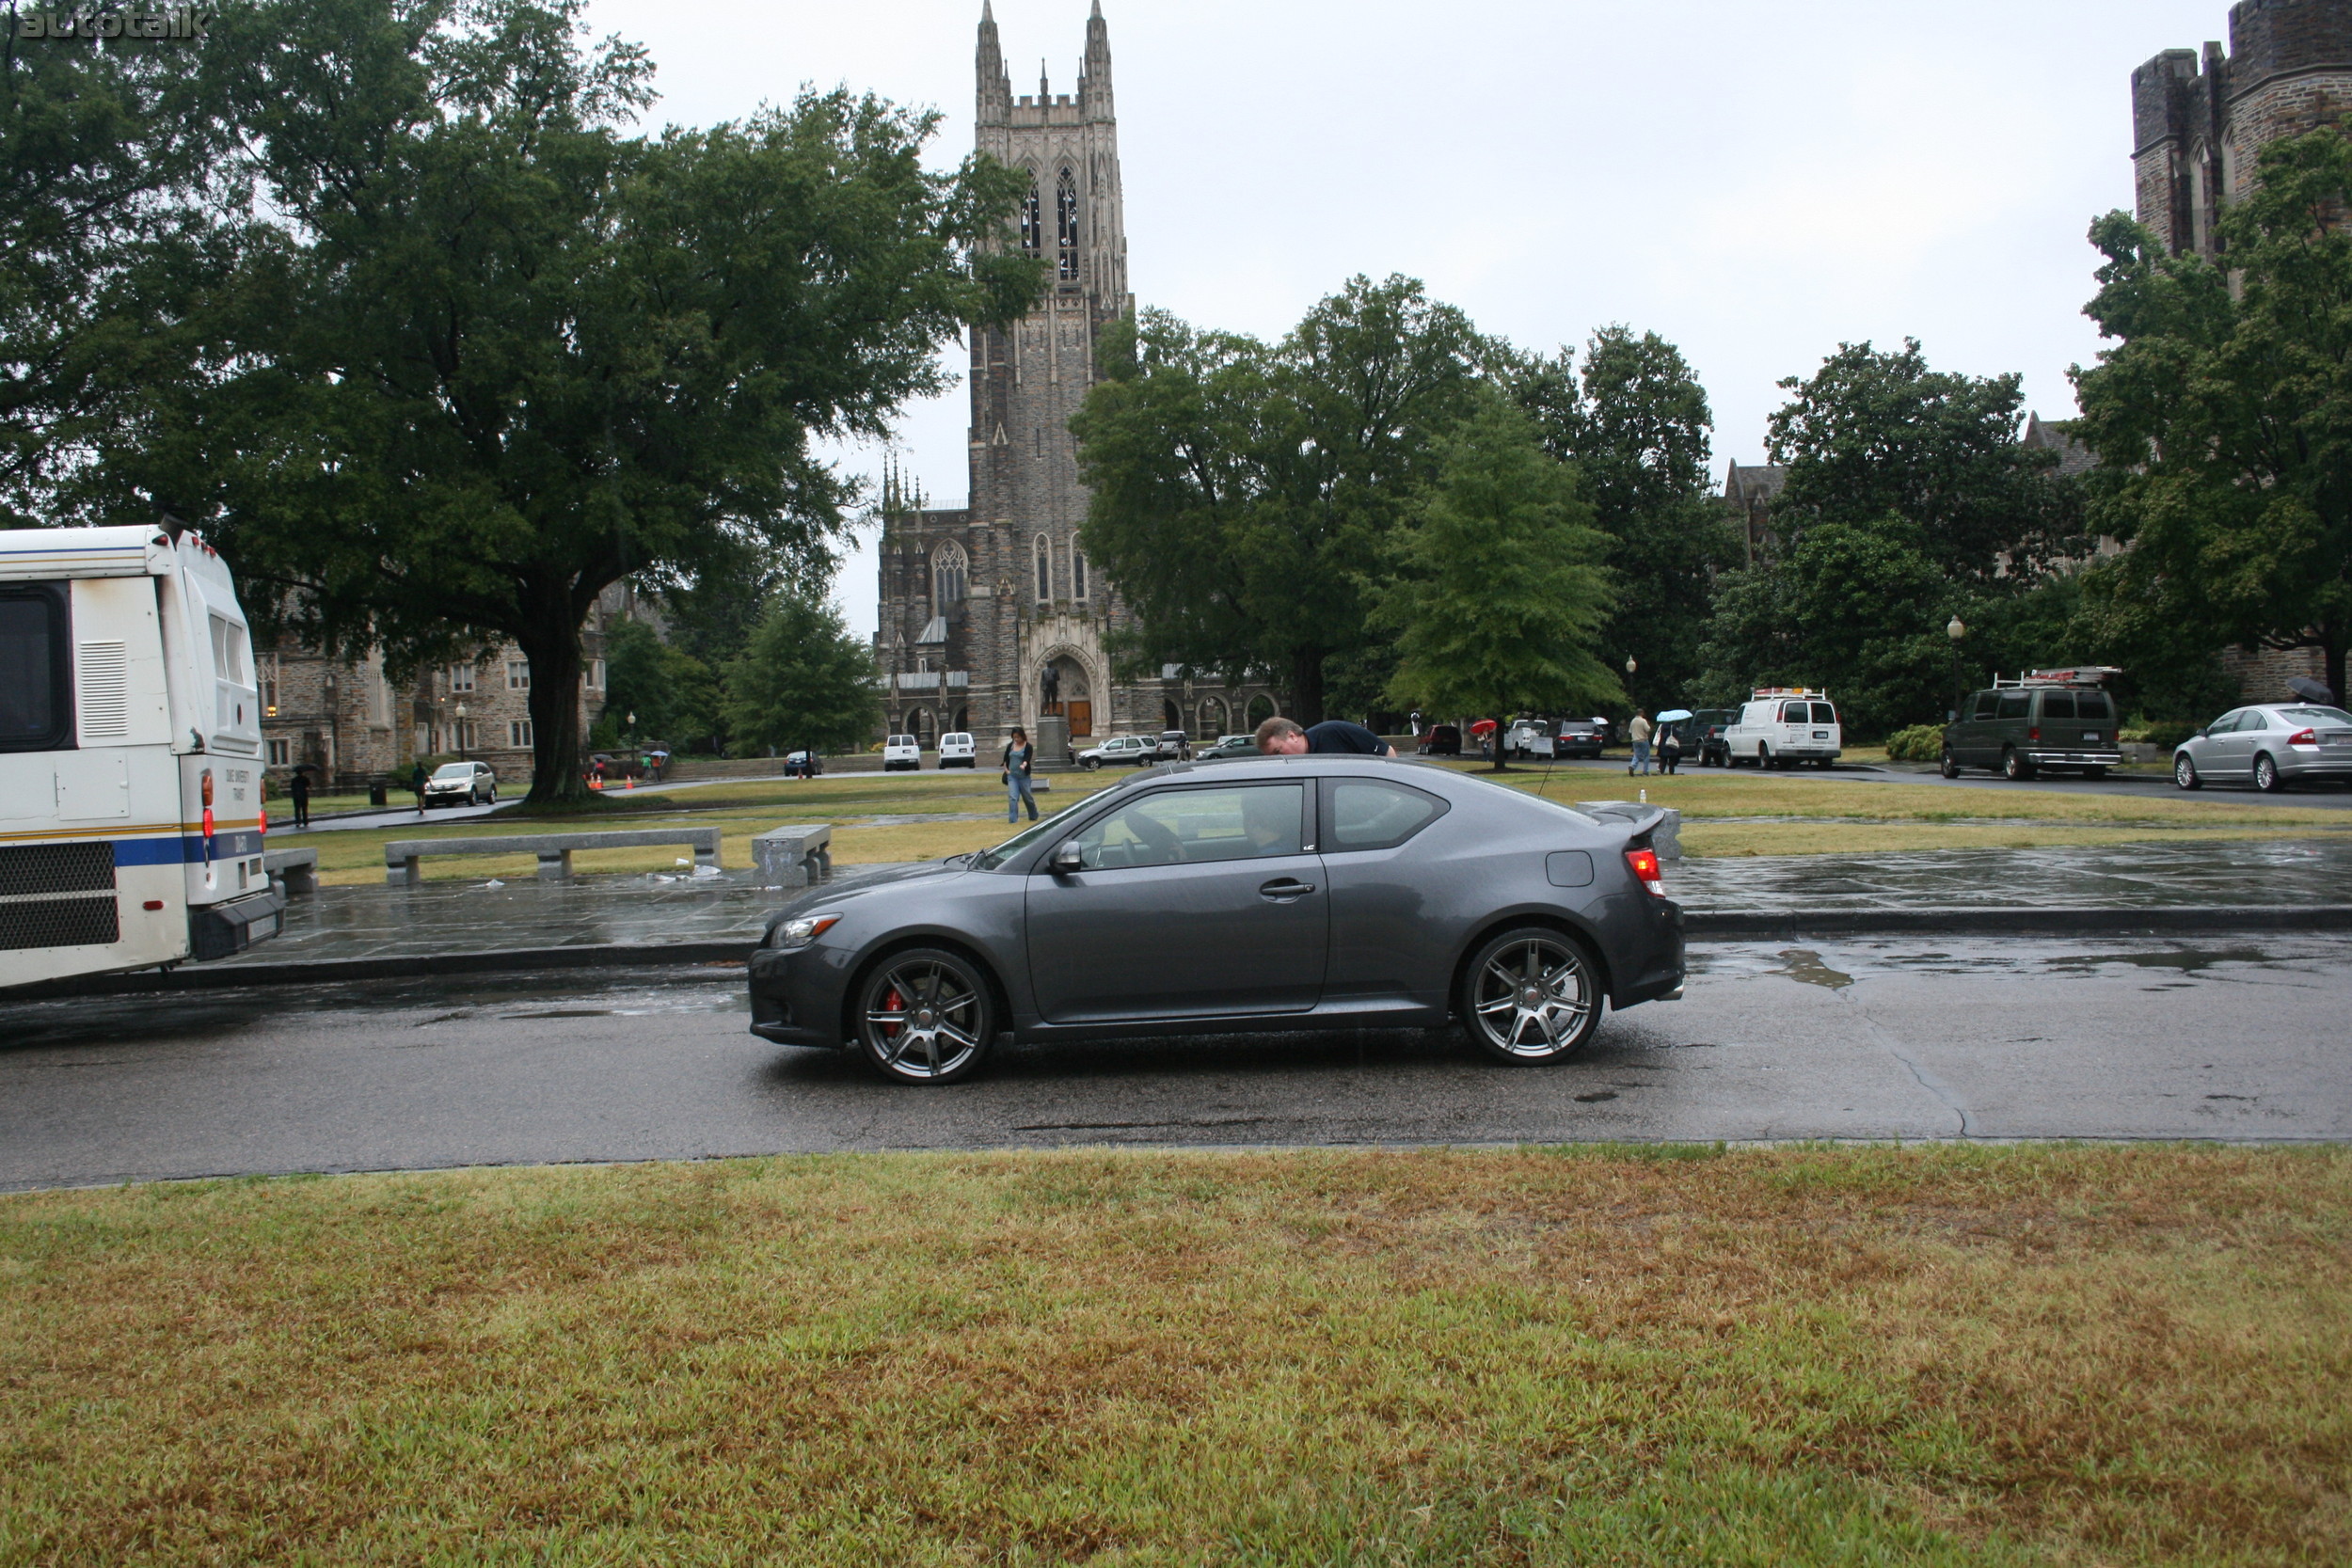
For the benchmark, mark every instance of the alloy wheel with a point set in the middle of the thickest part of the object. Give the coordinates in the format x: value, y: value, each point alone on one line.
x: 923, y: 1016
x: 2185, y: 772
x: 2266, y: 774
x: 1533, y: 997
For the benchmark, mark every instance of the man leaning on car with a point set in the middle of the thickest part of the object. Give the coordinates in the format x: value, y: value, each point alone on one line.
x: 1284, y: 737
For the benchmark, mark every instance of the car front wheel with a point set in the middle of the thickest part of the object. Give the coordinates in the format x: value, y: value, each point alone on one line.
x: 1089, y: 764
x: 1532, y: 996
x: 2185, y: 772
x: 2266, y: 777
x: 924, y: 1016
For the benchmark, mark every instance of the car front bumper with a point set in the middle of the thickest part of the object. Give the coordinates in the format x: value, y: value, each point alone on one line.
x: 796, y: 995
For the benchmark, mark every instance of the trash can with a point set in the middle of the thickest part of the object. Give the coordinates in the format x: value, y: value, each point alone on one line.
x: 375, y: 793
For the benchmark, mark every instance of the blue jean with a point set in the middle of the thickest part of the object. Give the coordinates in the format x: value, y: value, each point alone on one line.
x: 1641, y: 757
x: 1016, y: 791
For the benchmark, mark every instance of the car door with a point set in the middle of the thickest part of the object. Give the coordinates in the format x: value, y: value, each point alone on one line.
x: 1975, y: 728
x: 2228, y: 752
x: 1190, y: 902
x: 1386, y: 937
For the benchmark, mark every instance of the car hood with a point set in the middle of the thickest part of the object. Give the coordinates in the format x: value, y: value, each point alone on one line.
x: 836, y: 896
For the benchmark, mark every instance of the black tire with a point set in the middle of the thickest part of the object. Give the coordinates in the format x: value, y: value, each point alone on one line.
x: 1763, y: 756
x: 924, y: 1016
x: 2185, y: 772
x: 2015, y: 767
x: 1089, y: 764
x: 2267, y: 775
x: 1951, y: 764
x: 1532, y: 996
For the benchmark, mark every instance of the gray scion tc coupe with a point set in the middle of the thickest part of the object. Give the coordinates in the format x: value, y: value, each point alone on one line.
x: 1289, y: 892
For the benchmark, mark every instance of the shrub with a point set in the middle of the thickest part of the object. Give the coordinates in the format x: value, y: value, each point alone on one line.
x: 2166, y: 733
x: 1919, y: 743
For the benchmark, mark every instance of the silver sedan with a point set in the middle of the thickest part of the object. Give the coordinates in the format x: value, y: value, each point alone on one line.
x: 2269, y: 746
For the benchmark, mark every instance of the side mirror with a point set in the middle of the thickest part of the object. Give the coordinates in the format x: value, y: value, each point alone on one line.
x: 2200, y: 734
x: 1068, y: 859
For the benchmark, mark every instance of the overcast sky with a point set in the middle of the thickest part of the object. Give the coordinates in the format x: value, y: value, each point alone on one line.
x: 1758, y: 182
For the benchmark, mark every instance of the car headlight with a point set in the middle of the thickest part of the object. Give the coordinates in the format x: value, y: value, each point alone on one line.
x: 803, y: 930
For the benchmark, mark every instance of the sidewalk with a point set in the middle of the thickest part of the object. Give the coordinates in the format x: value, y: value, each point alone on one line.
x: 470, y: 917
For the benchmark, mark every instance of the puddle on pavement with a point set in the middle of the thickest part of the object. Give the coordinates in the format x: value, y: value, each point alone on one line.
x: 1803, y: 965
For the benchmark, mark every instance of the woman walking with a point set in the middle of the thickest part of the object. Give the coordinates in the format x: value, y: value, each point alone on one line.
x: 1019, y: 753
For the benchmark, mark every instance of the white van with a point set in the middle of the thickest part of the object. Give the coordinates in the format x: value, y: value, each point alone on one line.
x: 1781, y: 726
x: 131, y: 814
x: 901, y: 753
x: 956, y: 750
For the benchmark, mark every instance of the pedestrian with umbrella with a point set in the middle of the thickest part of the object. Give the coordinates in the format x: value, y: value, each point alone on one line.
x: 1670, y: 738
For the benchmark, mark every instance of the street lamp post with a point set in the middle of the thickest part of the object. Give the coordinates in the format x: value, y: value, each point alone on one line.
x: 461, y: 736
x: 1954, y: 630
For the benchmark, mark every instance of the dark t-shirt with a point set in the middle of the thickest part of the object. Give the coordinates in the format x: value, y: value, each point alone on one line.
x: 1341, y: 735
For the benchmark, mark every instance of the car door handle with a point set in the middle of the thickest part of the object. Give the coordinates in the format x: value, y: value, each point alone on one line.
x: 1284, y: 889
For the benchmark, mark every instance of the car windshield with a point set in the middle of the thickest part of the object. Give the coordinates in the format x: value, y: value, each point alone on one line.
x: 2315, y: 715
x: 454, y: 770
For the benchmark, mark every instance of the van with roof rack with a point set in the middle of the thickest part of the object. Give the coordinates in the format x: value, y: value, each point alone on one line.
x: 2040, y: 722
x: 1780, y: 726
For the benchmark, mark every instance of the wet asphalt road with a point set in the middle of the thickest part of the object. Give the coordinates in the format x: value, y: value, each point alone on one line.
x: 2324, y: 794
x: 2245, y: 1039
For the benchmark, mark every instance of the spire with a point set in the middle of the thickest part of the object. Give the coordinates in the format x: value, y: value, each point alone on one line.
x: 1044, y: 91
x: 1094, y: 78
x: 995, y: 87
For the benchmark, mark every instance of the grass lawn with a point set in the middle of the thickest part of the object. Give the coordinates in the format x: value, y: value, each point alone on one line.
x: 1600, y: 1355
x: 1727, y: 814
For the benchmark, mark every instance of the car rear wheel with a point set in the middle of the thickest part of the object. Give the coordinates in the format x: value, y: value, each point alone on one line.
x: 924, y: 1016
x: 2266, y: 777
x: 1532, y: 996
x: 2185, y: 772
x: 1763, y: 756
x: 1951, y: 764
x: 2015, y: 767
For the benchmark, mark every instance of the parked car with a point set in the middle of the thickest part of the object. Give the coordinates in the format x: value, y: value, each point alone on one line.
x: 1444, y: 740
x: 802, y: 765
x: 901, y: 753
x: 2268, y: 746
x: 1175, y: 746
x: 1227, y: 748
x: 1288, y: 893
x: 1782, y: 726
x: 462, y: 784
x: 1705, y: 730
x: 2022, y: 727
x: 956, y: 749
x: 1121, y: 748
x: 1529, y: 737
x: 1578, y: 737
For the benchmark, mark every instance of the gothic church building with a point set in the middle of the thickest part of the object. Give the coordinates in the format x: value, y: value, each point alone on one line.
x: 990, y: 615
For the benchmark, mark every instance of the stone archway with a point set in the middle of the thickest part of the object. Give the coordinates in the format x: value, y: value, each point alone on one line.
x: 1213, y: 718
x: 1064, y: 683
x: 1261, y: 709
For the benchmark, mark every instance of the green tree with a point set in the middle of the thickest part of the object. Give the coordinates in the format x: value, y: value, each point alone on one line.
x: 1244, y: 496
x: 1635, y: 423
x: 1872, y: 434
x: 673, y: 695
x: 1502, y: 592
x: 805, y: 679
x: 2223, y: 419
x: 498, y: 355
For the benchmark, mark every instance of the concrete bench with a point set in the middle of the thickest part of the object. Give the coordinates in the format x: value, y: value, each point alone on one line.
x: 797, y: 856
x: 295, y: 870
x: 555, y: 850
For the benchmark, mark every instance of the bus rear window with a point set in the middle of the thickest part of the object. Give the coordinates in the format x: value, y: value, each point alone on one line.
x: 35, y: 715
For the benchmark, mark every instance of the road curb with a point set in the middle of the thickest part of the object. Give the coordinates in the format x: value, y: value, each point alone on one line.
x: 1733, y: 925
x: 1697, y: 925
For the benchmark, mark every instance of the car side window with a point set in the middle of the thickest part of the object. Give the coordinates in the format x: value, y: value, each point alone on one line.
x: 2253, y: 719
x: 1183, y: 827
x: 2016, y: 704
x: 1368, y: 814
x: 1988, y: 703
x: 2226, y: 723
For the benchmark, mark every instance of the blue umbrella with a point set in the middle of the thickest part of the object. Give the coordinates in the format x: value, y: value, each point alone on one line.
x: 1669, y: 717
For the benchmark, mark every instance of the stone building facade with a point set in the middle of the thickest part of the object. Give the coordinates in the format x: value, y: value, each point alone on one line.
x: 990, y: 615
x: 348, y: 720
x: 1748, y: 492
x: 2199, y: 126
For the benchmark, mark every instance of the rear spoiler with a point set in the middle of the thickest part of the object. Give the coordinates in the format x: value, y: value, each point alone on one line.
x: 1639, y: 821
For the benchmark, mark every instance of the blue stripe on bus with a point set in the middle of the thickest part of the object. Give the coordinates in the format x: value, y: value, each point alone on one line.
x: 187, y: 850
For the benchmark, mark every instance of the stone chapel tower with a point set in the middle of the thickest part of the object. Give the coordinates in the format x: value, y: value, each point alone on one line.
x: 991, y: 616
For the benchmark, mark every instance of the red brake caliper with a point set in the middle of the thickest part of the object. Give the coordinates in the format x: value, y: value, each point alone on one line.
x: 893, y: 1002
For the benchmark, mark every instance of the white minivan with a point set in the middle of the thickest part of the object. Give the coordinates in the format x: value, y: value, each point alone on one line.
x: 956, y: 750
x: 1782, y: 726
x: 901, y: 753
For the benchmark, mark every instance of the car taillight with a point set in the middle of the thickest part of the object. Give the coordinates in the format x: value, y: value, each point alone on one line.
x: 1645, y: 865
x: 262, y: 823
x: 2303, y: 737
x: 2034, y: 732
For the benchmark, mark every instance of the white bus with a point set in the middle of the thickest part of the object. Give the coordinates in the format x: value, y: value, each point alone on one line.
x: 130, y: 815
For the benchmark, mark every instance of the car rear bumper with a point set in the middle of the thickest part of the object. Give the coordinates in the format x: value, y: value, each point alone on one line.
x: 224, y: 931
x: 2075, y: 759
x: 1646, y: 959
x: 2292, y: 766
